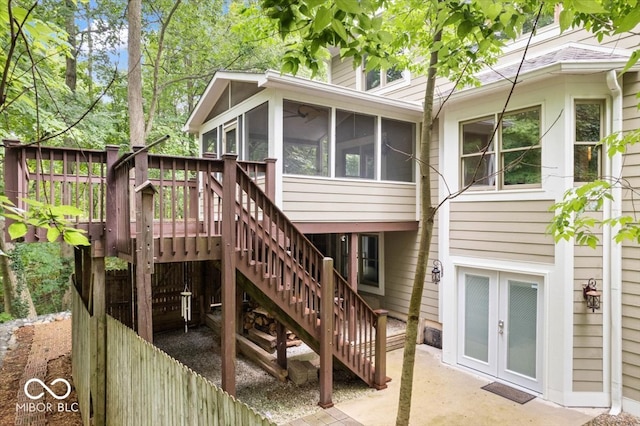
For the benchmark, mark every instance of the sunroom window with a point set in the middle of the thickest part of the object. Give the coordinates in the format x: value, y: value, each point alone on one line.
x: 588, y: 132
x: 355, y: 145
x: 397, y: 150
x: 507, y: 158
x: 257, y: 133
x: 306, y: 139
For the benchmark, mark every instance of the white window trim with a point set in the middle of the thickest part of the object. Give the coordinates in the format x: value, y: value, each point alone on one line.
x: 497, y: 152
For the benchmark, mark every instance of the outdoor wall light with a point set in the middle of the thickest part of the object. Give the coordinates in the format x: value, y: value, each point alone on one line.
x: 437, y: 272
x: 591, y: 295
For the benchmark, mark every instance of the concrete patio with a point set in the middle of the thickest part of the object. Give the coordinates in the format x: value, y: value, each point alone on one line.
x: 445, y: 396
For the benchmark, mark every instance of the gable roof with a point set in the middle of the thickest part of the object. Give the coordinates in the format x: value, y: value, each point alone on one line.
x: 276, y: 80
x: 571, y: 58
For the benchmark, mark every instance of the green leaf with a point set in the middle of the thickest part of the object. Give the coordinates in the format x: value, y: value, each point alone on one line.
x: 588, y: 6
x: 76, y: 238
x: 385, y: 36
x: 566, y: 19
x: 350, y: 6
x: 464, y: 28
x: 52, y: 234
x: 632, y: 60
x: 17, y: 230
x: 339, y: 29
x: 628, y: 21
x: 65, y: 210
x: 323, y: 18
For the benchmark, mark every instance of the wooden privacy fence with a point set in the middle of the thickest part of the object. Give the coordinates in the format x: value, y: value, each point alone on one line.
x: 145, y: 386
x: 81, y: 355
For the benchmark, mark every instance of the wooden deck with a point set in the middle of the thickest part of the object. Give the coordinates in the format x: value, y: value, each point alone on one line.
x: 149, y: 209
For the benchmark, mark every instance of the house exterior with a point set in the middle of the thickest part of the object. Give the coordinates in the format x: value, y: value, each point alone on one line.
x: 510, y: 304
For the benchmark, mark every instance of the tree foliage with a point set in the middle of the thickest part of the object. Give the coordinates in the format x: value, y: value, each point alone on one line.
x: 573, y: 218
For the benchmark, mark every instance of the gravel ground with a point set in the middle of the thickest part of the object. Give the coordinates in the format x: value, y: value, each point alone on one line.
x: 281, y: 402
x: 622, y: 419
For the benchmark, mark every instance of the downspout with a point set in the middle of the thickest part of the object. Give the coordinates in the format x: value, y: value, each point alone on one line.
x: 615, y: 255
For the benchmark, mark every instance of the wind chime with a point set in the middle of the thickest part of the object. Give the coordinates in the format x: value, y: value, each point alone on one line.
x: 186, y: 306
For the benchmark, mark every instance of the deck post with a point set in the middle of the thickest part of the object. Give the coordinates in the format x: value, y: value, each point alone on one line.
x: 353, y: 261
x: 281, y: 344
x: 99, y: 332
x: 270, y: 179
x: 144, y: 252
x: 380, y: 375
x: 228, y: 264
x: 326, y: 334
x: 111, y: 218
x: 14, y: 181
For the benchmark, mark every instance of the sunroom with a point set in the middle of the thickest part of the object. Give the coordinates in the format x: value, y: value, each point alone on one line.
x: 345, y: 160
x: 342, y: 155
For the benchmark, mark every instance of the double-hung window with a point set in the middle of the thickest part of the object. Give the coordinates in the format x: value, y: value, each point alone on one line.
x: 588, y: 132
x: 502, y: 157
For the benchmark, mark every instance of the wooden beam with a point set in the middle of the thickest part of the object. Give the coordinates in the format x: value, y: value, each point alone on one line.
x: 326, y: 334
x: 228, y: 267
x: 144, y: 247
x: 111, y: 218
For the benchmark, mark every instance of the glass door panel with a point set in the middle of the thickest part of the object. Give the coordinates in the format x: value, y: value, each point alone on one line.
x: 476, y: 317
x: 522, y: 328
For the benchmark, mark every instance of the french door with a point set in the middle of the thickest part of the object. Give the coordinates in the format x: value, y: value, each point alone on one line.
x: 500, y: 323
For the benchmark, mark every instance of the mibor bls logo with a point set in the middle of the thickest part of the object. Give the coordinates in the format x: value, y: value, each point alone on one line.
x: 46, y: 406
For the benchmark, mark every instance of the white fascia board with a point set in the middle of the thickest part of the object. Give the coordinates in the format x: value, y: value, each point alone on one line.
x: 210, y: 96
x: 573, y: 67
x: 273, y: 79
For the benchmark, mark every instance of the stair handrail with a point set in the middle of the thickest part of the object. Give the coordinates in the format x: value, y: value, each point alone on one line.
x: 355, y: 321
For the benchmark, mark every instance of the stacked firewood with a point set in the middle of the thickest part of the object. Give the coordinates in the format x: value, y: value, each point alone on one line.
x: 261, y: 328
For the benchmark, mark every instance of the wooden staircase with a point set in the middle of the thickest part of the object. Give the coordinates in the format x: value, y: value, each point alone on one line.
x: 274, y: 257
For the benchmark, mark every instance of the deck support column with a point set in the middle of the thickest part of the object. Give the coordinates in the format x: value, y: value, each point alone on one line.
x: 144, y: 246
x: 111, y: 217
x: 98, y: 323
x: 380, y: 375
x: 270, y: 179
x: 353, y: 261
x: 228, y: 264
x: 281, y: 344
x: 326, y: 334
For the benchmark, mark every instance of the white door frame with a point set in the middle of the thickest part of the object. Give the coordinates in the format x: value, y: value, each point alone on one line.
x: 496, y: 297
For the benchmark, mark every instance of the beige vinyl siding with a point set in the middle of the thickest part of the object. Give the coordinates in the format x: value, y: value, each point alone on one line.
x: 343, y: 73
x: 587, y: 325
x: 507, y: 230
x: 631, y: 251
x: 401, y: 255
x: 342, y: 200
x: 414, y: 91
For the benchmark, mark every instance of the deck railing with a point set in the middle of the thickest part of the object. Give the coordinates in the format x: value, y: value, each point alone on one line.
x: 103, y: 187
x: 57, y: 175
x: 291, y: 268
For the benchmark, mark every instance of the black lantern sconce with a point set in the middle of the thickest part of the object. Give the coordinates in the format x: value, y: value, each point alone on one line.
x: 591, y: 295
x: 437, y: 272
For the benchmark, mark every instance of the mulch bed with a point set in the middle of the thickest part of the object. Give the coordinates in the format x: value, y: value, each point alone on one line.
x: 12, y: 371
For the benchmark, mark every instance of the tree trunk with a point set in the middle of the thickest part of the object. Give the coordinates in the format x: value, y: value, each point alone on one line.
x: 427, y: 214
x: 134, y: 90
x: 16, y: 294
x: 71, y: 75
